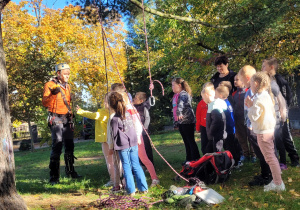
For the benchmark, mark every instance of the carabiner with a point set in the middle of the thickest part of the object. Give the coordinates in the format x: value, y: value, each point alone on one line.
x: 151, y: 99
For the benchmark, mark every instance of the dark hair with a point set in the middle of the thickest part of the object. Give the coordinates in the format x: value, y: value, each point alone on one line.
x: 117, y: 87
x: 116, y: 102
x: 221, y: 59
x: 272, y: 62
x: 184, y: 85
x: 141, y: 95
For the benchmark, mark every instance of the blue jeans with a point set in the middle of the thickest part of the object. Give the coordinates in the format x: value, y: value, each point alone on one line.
x: 130, y: 161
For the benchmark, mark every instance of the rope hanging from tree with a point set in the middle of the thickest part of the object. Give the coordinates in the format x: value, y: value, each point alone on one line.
x: 151, y: 87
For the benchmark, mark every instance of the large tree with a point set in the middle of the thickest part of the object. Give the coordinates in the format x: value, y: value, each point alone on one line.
x: 9, y: 198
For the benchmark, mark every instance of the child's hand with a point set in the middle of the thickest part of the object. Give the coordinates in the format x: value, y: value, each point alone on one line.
x: 248, y: 102
x: 180, y: 117
x: 111, y: 152
x: 77, y: 108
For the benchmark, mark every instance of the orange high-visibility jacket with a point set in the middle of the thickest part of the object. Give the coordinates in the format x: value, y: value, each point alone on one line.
x: 55, y: 103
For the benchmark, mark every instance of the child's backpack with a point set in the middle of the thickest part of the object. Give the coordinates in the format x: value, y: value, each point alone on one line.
x: 211, y: 168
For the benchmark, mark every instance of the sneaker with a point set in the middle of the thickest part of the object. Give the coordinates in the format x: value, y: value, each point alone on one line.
x: 154, y: 182
x: 295, y: 164
x: 242, y: 158
x: 116, y: 189
x: 131, y: 194
x: 283, y: 166
x: 273, y: 187
x: 253, y: 159
x: 238, y: 165
x: 260, y: 181
x: 109, y: 184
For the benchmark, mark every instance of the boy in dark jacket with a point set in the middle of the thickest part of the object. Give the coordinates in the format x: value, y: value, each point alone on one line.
x: 215, y: 120
x: 240, y: 127
x: 230, y: 143
x: 272, y: 65
x: 142, y: 106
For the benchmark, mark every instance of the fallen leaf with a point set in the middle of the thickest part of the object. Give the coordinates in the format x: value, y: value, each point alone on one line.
x: 266, y: 205
x: 292, y: 190
x: 230, y: 198
x: 255, y: 204
x: 237, y: 199
x: 251, y: 197
x: 281, y: 198
x: 290, y: 179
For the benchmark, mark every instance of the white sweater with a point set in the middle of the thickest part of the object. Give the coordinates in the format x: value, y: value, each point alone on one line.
x: 262, y: 114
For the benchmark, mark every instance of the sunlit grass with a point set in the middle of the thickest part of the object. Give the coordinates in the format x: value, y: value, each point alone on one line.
x: 32, y: 176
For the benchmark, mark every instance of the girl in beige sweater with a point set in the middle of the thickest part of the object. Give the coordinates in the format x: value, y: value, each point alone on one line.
x: 261, y: 113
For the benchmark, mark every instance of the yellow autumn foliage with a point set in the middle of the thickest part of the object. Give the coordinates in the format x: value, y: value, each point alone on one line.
x: 68, y: 38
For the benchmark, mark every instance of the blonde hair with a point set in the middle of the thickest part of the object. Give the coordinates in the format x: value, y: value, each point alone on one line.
x: 184, y: 85
x: 247, y: 71
x: 263, y: 83
x: 117, y: 87
x: 223, y: 91
x: 226, y: 84
x: 207, y: 87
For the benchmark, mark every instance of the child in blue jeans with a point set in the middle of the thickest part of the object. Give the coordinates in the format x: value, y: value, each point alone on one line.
x: 126, y: 143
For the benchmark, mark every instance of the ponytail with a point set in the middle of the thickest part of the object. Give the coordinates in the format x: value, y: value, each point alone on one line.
x: 184, y: 85
x: 117, y: 103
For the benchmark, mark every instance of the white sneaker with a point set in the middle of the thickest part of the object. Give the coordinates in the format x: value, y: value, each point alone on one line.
x: 273, y: 187
x: 109, y: 184
x: 154, y: 182
x: 280, y: 187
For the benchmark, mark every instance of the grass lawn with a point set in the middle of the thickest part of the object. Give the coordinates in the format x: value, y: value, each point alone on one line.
x: 32, y: 176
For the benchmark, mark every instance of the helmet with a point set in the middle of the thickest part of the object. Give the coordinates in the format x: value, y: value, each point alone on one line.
x: 61, y: 66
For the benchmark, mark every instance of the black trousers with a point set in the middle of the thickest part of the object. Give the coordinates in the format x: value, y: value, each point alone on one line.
x: 232, y: 144
x: 204, y: 139
x: 279, y: 144
x: 62, y: 135
x: 187, y: 132
x: 265, y: 169
x: 289, y: 143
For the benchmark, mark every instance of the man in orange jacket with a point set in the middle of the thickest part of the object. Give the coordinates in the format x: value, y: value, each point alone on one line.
x: 57, y: 99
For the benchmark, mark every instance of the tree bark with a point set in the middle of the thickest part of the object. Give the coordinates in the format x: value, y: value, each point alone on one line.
x: 9, y: 198
x: 176, y: 17
x: 31, y: 135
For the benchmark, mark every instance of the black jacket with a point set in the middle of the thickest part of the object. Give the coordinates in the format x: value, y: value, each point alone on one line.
x: 284, y: 88
x: 216, y: 80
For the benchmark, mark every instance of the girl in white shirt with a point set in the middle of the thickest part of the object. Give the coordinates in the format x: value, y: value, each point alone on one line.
x: 261, y: 113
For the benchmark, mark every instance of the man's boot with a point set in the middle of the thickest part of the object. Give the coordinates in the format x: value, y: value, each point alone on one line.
x: 70, y: 171
x: 54, y: 171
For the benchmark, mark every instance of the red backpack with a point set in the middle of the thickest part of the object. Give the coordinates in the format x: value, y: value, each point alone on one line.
x: 211, y: 168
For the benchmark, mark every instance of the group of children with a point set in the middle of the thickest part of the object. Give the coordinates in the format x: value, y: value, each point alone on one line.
x: 248, y: 120
x: 120, y: 128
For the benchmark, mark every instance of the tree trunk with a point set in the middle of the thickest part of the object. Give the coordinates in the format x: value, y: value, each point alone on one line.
x: 9, y: 198
x: 31, y: 135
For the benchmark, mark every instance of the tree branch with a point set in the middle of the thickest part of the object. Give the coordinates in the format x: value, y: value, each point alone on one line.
x: 3, y: 3
x: 176, y: 17
x: 201, y: 44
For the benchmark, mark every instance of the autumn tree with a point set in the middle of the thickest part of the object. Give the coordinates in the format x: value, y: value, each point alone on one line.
x: 9, y: 198
x: 35, y: 44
